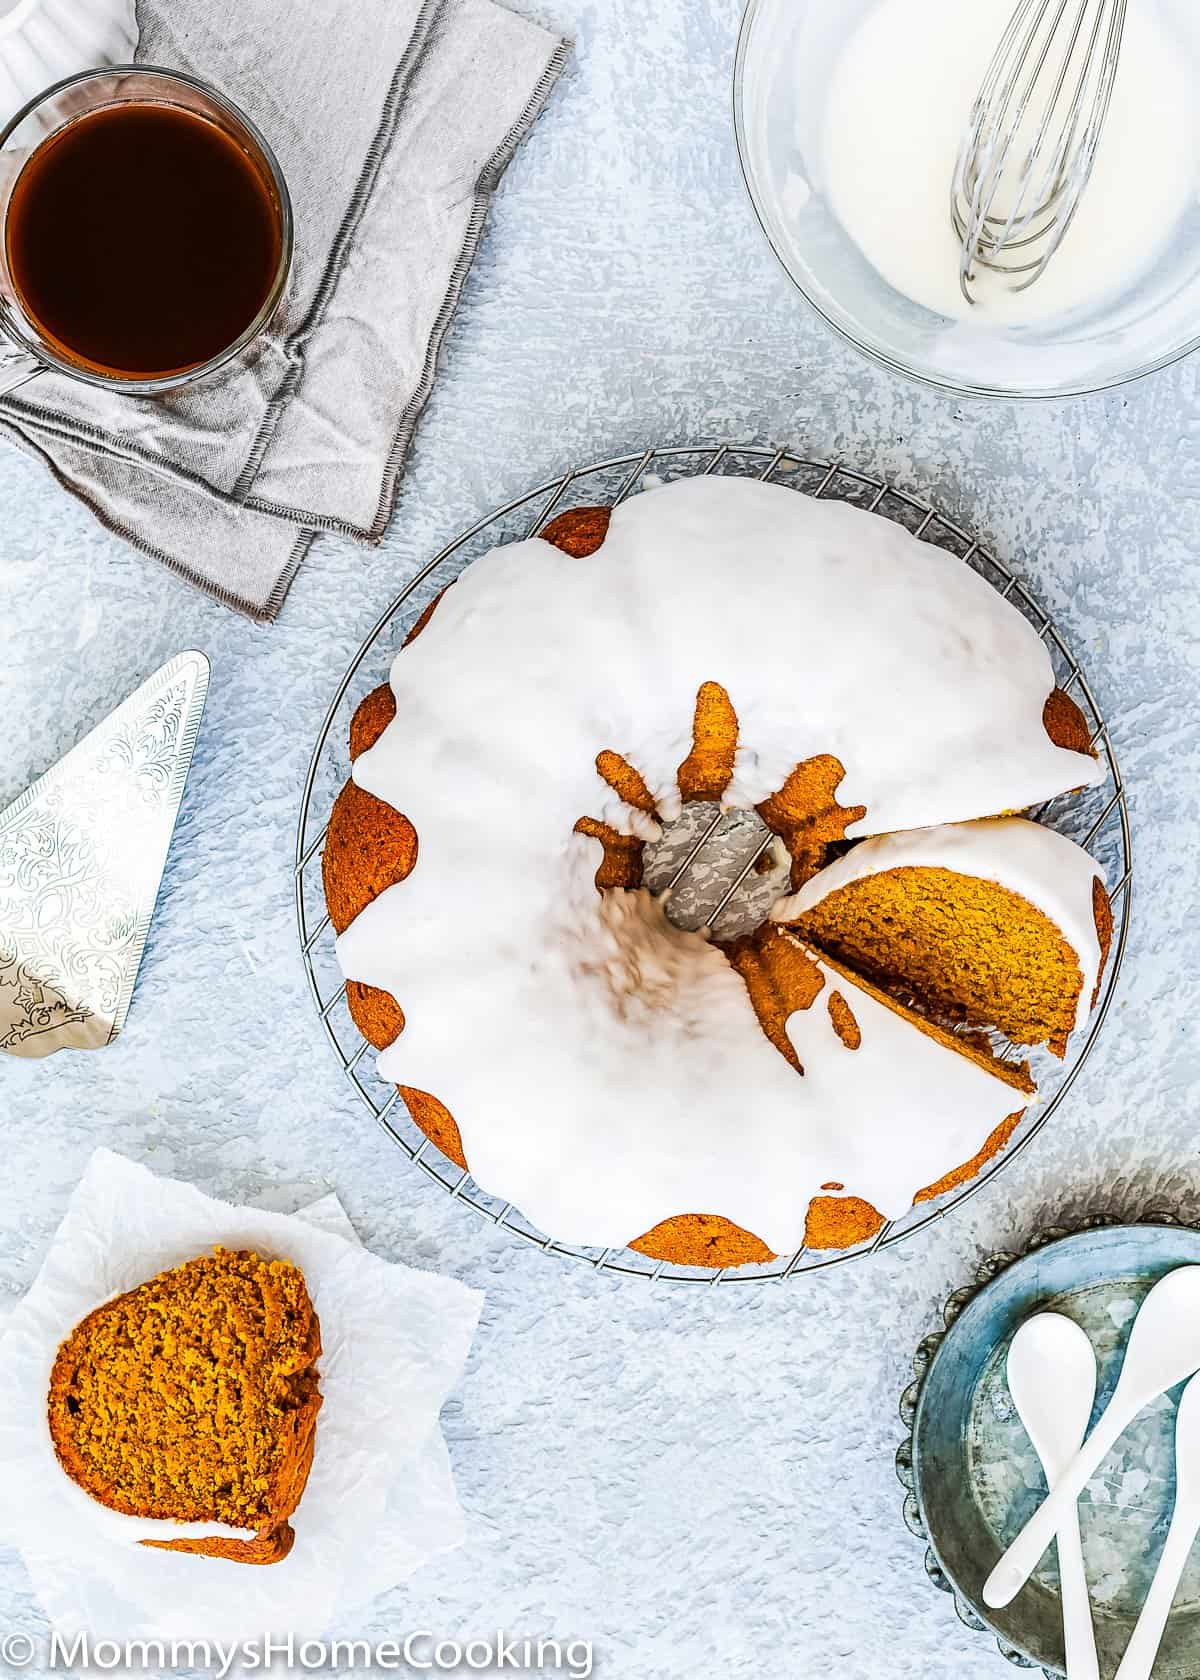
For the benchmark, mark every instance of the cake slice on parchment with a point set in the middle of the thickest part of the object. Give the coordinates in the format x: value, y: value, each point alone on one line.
x: 194, y: 1398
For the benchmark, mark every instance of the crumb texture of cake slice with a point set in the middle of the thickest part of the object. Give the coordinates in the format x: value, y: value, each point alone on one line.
x: 193, y: 1399
x: 1001, y: 923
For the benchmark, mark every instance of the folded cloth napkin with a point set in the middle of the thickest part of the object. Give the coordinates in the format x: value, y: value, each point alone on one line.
x: 393, y: 123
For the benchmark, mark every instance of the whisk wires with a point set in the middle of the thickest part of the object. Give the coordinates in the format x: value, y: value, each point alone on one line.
x: 1033, y: 135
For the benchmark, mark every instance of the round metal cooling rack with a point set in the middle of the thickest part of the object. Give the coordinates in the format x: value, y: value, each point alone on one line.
x: 1097, y: 819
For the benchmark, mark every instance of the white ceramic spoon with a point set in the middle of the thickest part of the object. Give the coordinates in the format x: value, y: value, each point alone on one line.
x: 1142, y: 1649
x: 1051, y: 1375
x: 1163, y: 1349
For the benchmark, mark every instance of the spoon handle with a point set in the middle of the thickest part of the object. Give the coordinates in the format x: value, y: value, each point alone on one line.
x: 1021, y: 1558
x: 1078, y: 1633
x: 1138, y: 1661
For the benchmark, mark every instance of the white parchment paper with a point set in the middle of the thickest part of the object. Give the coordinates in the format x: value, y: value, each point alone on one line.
x: 380, y: 1499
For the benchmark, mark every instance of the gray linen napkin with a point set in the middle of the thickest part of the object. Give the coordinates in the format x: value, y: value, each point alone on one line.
x: 393, y: 122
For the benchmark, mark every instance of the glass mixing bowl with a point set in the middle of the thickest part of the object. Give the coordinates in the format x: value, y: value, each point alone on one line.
x: 785, y: 58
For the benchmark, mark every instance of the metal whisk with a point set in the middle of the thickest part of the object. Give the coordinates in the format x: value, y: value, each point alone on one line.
x: 1033, y: 134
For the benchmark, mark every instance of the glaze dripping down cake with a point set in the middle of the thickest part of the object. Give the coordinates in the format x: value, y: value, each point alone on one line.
x: 624, y: 1082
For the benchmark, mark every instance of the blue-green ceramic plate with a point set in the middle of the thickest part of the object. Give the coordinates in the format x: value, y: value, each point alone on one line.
x: 975, y: 1479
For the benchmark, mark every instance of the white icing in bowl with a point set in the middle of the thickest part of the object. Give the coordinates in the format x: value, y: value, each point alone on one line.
x: 899, y: 103
x: 1141, y: 316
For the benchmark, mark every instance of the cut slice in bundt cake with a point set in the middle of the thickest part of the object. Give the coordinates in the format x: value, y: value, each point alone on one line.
x: 194, y: 1399
x: 1000, y: 924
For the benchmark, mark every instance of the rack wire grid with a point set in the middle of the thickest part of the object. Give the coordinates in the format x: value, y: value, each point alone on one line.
x: 1098, y: 819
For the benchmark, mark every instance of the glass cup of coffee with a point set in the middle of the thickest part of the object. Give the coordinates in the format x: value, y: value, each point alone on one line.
x: 145, y: 232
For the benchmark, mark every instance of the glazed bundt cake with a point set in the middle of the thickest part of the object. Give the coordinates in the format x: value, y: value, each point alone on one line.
x: 713, y: 640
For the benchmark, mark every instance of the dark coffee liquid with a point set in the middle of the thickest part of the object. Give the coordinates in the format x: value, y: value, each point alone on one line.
x: 142, y: 240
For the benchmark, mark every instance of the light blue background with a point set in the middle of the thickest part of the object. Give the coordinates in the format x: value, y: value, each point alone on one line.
x: 693, y: 1480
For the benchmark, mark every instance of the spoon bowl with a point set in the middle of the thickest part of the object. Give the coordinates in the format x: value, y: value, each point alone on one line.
x: 1051, y: 1372
x: 1164, y: 1344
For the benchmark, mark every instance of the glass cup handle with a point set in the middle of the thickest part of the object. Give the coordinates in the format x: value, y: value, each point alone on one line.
x: 17, y: 367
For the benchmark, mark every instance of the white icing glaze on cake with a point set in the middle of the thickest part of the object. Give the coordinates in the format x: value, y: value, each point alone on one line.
x: 606, y: 1070
x: 1046, y: 868
x: 901, y: 1092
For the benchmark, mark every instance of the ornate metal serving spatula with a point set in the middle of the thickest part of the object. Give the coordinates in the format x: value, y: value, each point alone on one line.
x: 81, y: 856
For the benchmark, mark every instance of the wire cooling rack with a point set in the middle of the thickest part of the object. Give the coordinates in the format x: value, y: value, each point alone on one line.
x: 1098, y: 819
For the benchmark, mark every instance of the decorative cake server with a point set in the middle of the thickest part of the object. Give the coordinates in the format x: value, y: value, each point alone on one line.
x: 81, y: 856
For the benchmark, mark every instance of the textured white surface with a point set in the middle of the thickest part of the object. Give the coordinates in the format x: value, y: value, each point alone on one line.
x: 695, y: 1480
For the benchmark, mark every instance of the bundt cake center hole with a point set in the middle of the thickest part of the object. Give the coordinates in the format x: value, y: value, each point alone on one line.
x: 717, y: 869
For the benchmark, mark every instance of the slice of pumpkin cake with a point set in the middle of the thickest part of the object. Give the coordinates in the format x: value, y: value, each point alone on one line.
x: 1001, y: 923
x: 194, y: 1399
